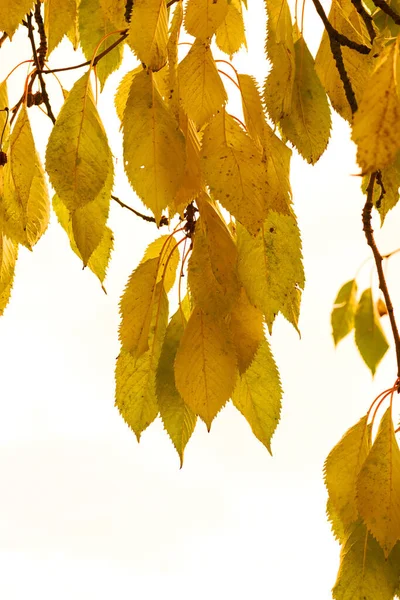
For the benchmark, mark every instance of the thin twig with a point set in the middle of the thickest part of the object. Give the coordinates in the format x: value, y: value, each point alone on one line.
x: 42, y: 50
x: 163, y: 220
x: 39, y: 72
x: 369, y: 234
x: 366, y: 17
x: 3, y: 38
x: 334, y: 34
x: 336, y: 50
x: 384, y: 6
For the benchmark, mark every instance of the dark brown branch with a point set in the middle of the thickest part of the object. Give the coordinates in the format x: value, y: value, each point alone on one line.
x: 384, y: 6
x: 366, y: 17
x: 348, y: 89
x: 3, y: 38
x: 45, y: 96
x: 124, y: 35
x: 334, y: 34
x: 369, y: 234
x: 42, y: 50
x: 163, y: 220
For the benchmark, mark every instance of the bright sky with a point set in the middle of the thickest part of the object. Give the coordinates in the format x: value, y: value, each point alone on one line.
x: 86, y: 512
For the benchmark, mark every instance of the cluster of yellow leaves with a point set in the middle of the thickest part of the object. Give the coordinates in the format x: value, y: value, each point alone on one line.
x: 363, y: 482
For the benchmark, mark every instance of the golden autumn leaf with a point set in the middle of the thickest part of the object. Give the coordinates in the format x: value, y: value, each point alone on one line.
x: 8, y: 258
x: 344, y: 309
x: 172, y: 53
x: 378, y: 487
x: 154, y: 147
x: 122, y: 93
x: 166, y: 249
x: 369, y: 335
x: 246, y: 325
x: 192, y: 183
x: 59, y: 18
x: 12, y: 13
x: 200, y: 87
x: 231, y: 35
x: 114, y: 11
x: 79, y: 137
x: 148, y: 32
x: 205, y: 365
x: 203, y: 17
x: 335, y: 521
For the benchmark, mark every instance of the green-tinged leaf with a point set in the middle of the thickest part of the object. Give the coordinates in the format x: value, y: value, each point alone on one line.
x: 135, y: 393
x: 378, y: 486
x: 205, y: 365
x: 8, y: 258
x: 364, y: 574
x: 148, y: 33
x: 59, y: 18
x: 203, y: 17
x: 270, y: 267
x: 342, y: 467
x: 246, y: 325
x: 385, y: 199
x: 234, y: 171
x: 114, y: 10
x: 122, y: 93
x: 154, y: 147
x: 12, y: 13
x: 179, y: 420
x: 376, y: 125
x: 93, y: 27
x: 79, y: 138
x: 308, y: 124
x: 344, y: 308
x: 335, y: 521
x: 165, y: 246
x: 280, y: 51
x: 344, y: 18
x: 25, y: 200
x: 201, y: 89
x: 369, y: 335
x: 231, y: 34
x: 258, y: 394
x: 192, y: 182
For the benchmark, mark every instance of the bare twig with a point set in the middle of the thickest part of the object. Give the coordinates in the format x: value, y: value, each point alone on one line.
x: 39, y: 71
x: 366, y: 17
x: 163, y: 220
x: 334, y: 34
x: 369, y: 234
x: 42, y: 50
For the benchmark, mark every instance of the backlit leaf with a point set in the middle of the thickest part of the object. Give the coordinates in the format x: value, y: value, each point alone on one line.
x: 378, y: 486
x: 203, y: 17
x: 308, y: 124
x: 8, y: 258
x: 165, y: 246
x: 335, y: 521
x: 148, y: 33
x: 231, y: 34
x: 258, y: 395
x: 391, y: 182
x: 201, y: 89
x: 172, y: 52
x: 122, y: 93
x: 79, y: 137
x: 179, y: 420
x: 114, y: 10
x: 369, y: 335
x: 59, y: 18
x: 344, y: 308
x: 234, y: 171
x: 154, y: 147
x: 205, y: 365
x: 192, y: 182
x: 342, y: 467
x: 12, y: 13
x: 246, y: 325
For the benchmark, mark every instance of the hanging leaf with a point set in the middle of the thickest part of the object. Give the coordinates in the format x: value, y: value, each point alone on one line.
x: 246, y: 325
x: 114, y: 11
x: 205, y: 366
x: 344, y: 308
x: 12, y: 13
x: 59, y: 18
x: 342, y: 467
x: 79, y: 137
x: 334, y: 519
x: 231, y: 34
x: 172, y: 52
x: 200, y: 86
x: 8, y: 258
x: 154, y: 147
x: 378, y: 487
x: 369, y: 335
x: 203, y: 17
x: 391, y: 182
x: 179, y: 420
x: 148, y: 33
x: 164, y: 247
x: 308, y: 124
x: 122, y: 93
x: 258, y: 394
x: 192, y: 183
x: 234, y: 171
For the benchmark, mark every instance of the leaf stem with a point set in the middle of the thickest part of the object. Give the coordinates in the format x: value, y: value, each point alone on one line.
x: 369, y: 234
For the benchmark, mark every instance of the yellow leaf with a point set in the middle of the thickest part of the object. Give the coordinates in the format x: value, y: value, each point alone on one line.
x: 234, y: 171
x: 12, y: 13
x: 378, y: 487
x: 59, y: 18
x: 203, y: 17
x: 258, y: 394
x: 122, y: 93
x: 364, y: 574
x: 154, y: 147
x: 172, y: 51
x: 308, y: 124
x: 342, y: 467
x: 114, y: 10
x: 25, y: 201
x: 334, y: 519
x: 8, y: 258
x: 164, y: 246
x: 391, y: 183
x: 369, y: 335
x: 135, y: 378
x: 205, y: 365
x: 148, y: 33
x: 4, y: 121
x: 270, y: 265
x: 192, y: 182
x: 280, y: 50
x: 179, y: 420
x: 376, y: 125
x: 93, y: 26
x: 201, y: 89
x: 231, y: 34
x: 344, y: 18
x: 344, y: 308
x: 79, y: 138
x: 246, y: 325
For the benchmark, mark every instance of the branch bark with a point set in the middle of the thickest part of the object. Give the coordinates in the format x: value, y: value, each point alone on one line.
x: 163, y: 220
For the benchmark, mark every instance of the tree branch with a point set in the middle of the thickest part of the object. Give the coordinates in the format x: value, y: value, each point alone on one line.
x: 384, y: 6
x: 369, y: 234
x: 334, y: 34
x: 366, y: 17
x: 163, y: 220
x: 39, y: 71
x: 348, y: 89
